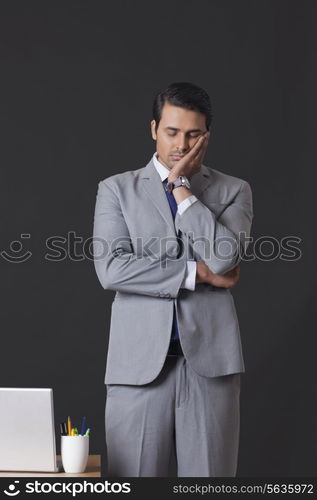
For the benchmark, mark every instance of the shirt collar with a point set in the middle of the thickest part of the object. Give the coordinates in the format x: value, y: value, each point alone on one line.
x: 162, y: 170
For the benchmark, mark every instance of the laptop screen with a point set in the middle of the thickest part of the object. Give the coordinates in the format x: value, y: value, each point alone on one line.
x: 27, y: 432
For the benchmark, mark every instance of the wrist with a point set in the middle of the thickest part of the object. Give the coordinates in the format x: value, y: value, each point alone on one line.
x: 173, y: 175
x: 212, y: 277
x: 180, y: 181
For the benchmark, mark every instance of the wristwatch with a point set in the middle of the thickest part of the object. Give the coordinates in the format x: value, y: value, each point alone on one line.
x: 180, y: 181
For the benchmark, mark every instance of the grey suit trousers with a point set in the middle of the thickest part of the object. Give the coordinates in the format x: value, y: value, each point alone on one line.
x: 181, y: 424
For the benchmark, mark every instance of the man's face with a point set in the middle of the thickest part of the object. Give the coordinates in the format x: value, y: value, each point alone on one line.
x: 177, y: 133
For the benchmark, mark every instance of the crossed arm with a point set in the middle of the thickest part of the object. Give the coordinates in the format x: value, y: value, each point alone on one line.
x: 118, y: 268
x: 219, y: 242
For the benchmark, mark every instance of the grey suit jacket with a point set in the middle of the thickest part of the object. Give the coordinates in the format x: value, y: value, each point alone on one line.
x: 141, y: 253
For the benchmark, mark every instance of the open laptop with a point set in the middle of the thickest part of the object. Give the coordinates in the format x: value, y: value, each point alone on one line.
x: 27, y: 431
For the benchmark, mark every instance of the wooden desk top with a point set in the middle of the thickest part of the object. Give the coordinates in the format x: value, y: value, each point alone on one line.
x: 92, y: 470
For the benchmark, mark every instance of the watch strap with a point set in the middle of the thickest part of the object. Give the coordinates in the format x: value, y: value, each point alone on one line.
x: 179, y: 181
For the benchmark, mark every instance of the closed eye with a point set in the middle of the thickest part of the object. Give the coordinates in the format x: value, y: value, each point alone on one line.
x: 193, y: 136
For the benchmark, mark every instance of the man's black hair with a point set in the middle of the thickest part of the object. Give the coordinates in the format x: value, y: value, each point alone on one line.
x: 185, y: 95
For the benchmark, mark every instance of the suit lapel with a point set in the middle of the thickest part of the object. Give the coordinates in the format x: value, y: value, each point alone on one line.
x: 152, y: 184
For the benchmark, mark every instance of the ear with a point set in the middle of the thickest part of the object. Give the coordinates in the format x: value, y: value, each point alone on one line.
x: 153, y: 123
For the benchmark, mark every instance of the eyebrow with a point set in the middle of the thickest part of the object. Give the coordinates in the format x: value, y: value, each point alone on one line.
x: 188, y: 131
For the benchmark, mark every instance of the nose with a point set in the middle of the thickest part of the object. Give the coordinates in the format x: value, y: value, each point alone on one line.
x: 182, y: 143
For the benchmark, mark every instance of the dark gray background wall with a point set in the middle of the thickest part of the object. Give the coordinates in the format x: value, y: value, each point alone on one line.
x: 77, y: 83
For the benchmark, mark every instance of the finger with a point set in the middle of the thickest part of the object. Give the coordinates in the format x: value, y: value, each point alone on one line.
x: 235, y: 270
x: 235, y: 276
x: 200, y: 154
x: 192, y: 153
x: 204, y: 145
x: 200, y: 146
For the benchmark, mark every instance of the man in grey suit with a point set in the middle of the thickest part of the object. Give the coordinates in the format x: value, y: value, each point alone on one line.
x: 168, y: 238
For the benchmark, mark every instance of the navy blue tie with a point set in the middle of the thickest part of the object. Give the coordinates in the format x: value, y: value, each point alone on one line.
x: 173, y: 206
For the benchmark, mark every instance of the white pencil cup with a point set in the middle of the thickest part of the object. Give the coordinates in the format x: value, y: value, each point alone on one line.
x: 74, y: 453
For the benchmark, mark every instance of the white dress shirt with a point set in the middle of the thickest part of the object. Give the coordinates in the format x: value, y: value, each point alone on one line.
x: 189, y: 280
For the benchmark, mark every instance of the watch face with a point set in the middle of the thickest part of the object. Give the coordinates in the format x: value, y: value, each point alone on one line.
x: 180, y: 181
x: 185, y: 182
